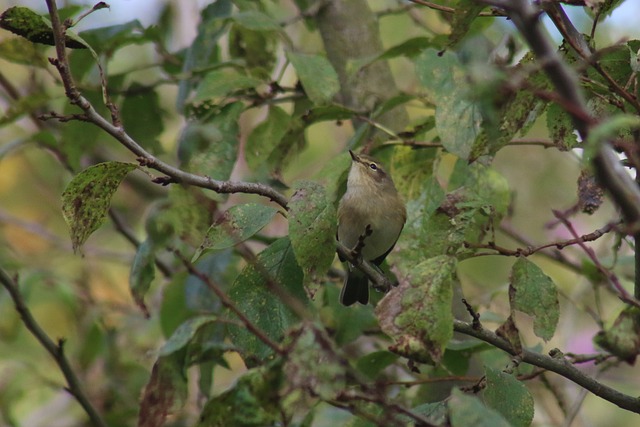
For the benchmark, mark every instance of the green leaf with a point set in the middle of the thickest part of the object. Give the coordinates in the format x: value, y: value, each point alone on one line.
x: 256, y: 293
x: 436, y: 412
x: 458, y: 121
x: 412, y: 170
x: 21, y: 51
x: 211, y: 148
x: 467, y: 410
x: 87, y: 198
x: 220, y: 267
x: 24, y: 105
x: 348, y: 322
x: 35, y: 28
x: 325, y: 113
x: 257, y: 21
x: 266, y: 137
x: 142, y: 116
x: 466, y: 13
x: 313, y: 365
x: 184, y: 334
x: 409, y: 48
x: 143, y: 271
x: 318, y: 78
x: 622, y: 339
x: 252, y: 402
x: 165, y: 392
x: 221, y: 83
x: 373, y: 363
x: 110, y: 38
x: 560, y: 127
x: 417, y: 314
x: 204, y: 50
x: 312, y: 225
x: 184, y: 214
x: 236, y: 225
x: 534, y: 293
x: 608, y: 129
x: 258, y: 50
x: 509, y: 397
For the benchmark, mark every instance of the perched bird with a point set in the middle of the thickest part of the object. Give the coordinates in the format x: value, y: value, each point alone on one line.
x: 371, y: 215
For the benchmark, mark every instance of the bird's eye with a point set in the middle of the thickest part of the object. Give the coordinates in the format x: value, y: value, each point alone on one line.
x: 373, y: 166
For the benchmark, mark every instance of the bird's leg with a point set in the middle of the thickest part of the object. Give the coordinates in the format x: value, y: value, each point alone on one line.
x: 356, y: 252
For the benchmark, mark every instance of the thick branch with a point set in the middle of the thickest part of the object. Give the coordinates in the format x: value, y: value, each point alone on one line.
x: 557, y: 364
x: 56, y: 351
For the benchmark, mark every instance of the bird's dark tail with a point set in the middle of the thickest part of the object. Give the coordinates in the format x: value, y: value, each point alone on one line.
x: 355, y: 289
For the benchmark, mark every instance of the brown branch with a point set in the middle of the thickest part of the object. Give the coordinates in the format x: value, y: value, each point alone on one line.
x: 115, y: 130
x: 555, y: 362
x: 530, y: 250
x: 550, y: 253
x: 74, y: 387
x: 540, y: 142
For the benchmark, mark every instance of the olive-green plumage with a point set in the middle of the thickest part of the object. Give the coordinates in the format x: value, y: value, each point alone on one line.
x: 371, y: 199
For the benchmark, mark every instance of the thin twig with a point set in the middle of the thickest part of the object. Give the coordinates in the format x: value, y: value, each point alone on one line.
x: 530, y: 250
x: 74, y: 387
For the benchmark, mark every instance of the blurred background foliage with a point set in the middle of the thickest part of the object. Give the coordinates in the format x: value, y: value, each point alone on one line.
x: 235, y: 90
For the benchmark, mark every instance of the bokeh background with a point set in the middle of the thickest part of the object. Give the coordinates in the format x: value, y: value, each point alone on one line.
x: 85, y: 298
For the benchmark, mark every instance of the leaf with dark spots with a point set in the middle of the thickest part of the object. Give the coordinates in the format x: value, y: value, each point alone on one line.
x: 236, y: 225
x: 87, y: 198
x: 312, y: 224
x: 35, y: 28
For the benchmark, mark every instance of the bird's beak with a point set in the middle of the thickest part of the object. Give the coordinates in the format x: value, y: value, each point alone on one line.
x: 354, y: 157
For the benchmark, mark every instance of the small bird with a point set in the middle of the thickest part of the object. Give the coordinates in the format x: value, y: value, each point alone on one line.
x: 371, y: 213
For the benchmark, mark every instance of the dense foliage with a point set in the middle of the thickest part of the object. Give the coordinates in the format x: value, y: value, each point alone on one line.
x: 169, y: 215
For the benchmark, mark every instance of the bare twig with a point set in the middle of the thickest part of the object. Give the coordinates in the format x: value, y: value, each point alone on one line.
x: 56, y: 351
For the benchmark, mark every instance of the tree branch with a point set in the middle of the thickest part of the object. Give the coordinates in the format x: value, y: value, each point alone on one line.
x: 530, y: 250
x: 56, y: 351
x: 610, y: 173
x: 115, y: 130
x: 555, y: 362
